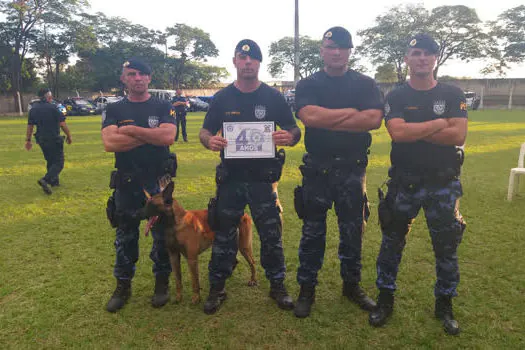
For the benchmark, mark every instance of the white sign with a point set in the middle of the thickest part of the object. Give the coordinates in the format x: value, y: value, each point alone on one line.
x: 249, y: 140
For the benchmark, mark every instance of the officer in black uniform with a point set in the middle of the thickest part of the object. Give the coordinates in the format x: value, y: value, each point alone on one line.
x: 48, y: 120
x: 247, y: 181
x: 179, y: 103
x: 427, y: 121
x: 139, y: 129
x: 339, y: 107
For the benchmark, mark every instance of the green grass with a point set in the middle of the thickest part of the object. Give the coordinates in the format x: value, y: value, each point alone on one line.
x: 56, y: 257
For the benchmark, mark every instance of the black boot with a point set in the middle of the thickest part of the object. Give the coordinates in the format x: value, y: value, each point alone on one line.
x: 120, y: 296
x: 385, y: 307
x: 304, y: 301
x: 443, y: 312
x: 162, y: 291
x: 280, y: 295
x: 356, y: 295
x: 45, y: 186
x: 215, y: 299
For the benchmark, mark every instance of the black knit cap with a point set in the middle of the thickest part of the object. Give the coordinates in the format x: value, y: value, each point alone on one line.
x: 423, y: 41
x: 138, y: 64
x: 340, y: 36
x: 250, y: 48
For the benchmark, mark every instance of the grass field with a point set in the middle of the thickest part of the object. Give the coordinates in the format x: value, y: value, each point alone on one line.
x: 56, y: 257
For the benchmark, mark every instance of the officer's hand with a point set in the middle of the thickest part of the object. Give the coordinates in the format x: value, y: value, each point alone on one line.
x: 217, y: 143
x: 282, y: 138
x: 28, y: 145
x: 127, y: 130
x: 69, y: 140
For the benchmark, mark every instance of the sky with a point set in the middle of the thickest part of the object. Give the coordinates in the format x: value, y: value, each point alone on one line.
x: 266, y: 21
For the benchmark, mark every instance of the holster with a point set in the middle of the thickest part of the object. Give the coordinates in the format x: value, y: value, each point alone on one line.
x: 298, y: 202
x: 111, y: 211
x: 170, y: 165
x: 384, y: 209
x: 213, y: 213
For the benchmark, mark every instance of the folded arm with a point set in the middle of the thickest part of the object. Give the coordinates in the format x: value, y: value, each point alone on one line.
x: 453, y: 134
x: 164, y: 135
x: 343, y: 119
x: 401, y: 131
x: 117, y: 142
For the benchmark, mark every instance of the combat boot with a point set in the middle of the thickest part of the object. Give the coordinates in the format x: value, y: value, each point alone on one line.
x: 280, y: 295
x: 304, y: 301
x: 356, y: 295
x: 384, y: 309
x: 443, y: 311
x: 45, y: 186
x: 120, y: 296
x: 162, y: 291
x: 216, y: 297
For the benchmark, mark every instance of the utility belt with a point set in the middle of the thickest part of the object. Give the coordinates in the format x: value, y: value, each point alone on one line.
x: 121, y: 179
x: 410, y: 179
x: 317, y: 166
x: 270, y: 173
x: 43, y: 140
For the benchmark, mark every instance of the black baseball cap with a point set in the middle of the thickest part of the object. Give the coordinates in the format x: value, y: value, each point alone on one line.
x: 340, y: 36
x: 423, y: 41
x: 42, y: 92
x: 138, y: 64
x: 250, y: 48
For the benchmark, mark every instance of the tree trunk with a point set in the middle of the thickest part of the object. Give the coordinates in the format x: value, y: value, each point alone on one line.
x: 436, y: 72
x: 16, y: 80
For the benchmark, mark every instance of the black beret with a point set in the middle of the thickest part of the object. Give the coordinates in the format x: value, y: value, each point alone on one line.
x: 138, y: 64
x: 423, y: 41
x: 250, y: 48
x: 340, y: 36
x: 42, y: 92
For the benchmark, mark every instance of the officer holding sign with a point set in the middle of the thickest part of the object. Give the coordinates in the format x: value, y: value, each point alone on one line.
x: 246, y: 114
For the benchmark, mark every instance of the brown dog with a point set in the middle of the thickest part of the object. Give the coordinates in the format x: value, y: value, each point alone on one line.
x: 187, y: 232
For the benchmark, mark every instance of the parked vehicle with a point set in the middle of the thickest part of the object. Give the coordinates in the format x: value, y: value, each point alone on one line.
x: 473, y: 100
x: 196, y: 105
x: 102, y: 101
x: 79, y: 106
x: 61, y: 108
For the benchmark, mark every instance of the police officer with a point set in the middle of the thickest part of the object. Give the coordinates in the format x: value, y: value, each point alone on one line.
x: 48, y: 120
x: 427, y: 121
x: 139, y: 129
x: 338, y: 107
x: 247, y: 181
x: 179, y: 103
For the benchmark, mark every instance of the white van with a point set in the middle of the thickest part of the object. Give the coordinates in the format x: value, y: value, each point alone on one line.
x: 162, y: 94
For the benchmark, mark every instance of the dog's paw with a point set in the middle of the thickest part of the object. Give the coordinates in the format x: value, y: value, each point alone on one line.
x: 195, y: 299
x: 252, y: 283
x: 178, y: 298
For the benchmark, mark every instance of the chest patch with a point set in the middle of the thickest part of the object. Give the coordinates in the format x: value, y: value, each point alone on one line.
x: 439, y: 107
x: 153, y: 121
x: 260, y: 112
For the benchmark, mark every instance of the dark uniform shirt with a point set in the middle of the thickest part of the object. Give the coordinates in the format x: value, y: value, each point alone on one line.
x: 352, y: 90
x: 179, y: 108
x: 232, y: 105
x: 47, y: 119
x: 147, y: 114
x: 416, y: 106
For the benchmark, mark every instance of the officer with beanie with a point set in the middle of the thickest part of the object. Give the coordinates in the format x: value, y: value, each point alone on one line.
x: 247, y: 180
x: 338, y: 107
x: 139, y: 129
x: 427, y: 121
x: 48, y: 121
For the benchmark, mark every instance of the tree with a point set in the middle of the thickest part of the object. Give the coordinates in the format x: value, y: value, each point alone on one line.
x: 459, y: 33
x: 190, y: 44
x: 509, y: 33
x: 22, y: 18
x: 386, y: 41
x: 386, y: 73
x: 282, y: 56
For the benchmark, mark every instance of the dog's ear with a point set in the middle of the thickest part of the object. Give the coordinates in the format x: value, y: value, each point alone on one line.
x: 167, y: 194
